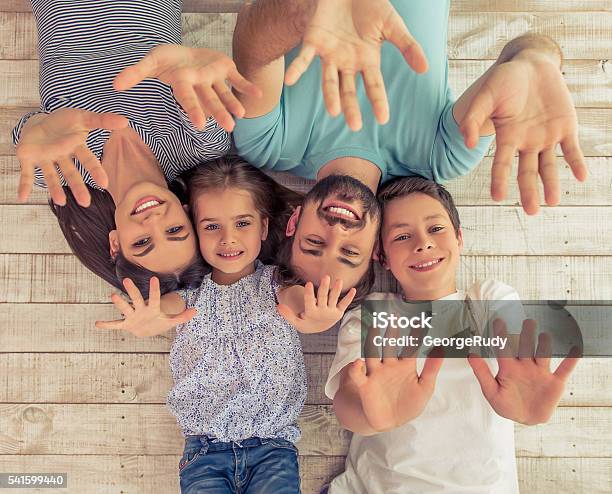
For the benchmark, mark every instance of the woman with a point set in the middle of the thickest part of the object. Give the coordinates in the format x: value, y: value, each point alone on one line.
x: 88, y: 136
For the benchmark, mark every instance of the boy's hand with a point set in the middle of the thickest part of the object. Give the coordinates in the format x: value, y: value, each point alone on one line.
x: 347, y: 35
x: 321, y: 312
x: 531, y: 108
x: 52, y: 140
x: 524, y: 389
x: 391, y: 391
x: 198, y: 78
x: 144, y: 318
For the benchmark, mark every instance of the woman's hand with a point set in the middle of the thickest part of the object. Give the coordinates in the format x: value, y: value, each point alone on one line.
x: 144, y: 318
x: 51, y: 141
x: 524, y: 389
x: 347, y: 35
x: 198, y: 78
x: 321, y: 312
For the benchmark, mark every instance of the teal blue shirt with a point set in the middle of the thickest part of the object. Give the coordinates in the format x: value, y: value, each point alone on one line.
x: 421, y: 137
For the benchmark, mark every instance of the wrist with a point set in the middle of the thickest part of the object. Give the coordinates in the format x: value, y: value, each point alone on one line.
x: 532, y: 47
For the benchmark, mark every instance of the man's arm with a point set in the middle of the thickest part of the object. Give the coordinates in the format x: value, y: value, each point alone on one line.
x: 265, y: 31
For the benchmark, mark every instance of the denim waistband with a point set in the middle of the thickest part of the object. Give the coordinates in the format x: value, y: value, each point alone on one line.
x: 205, y: 444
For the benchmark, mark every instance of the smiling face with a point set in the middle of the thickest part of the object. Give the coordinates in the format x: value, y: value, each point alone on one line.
x: 420, y: 246
x: 153, y: 229
x: 230, y: 230
x: 334, y: 231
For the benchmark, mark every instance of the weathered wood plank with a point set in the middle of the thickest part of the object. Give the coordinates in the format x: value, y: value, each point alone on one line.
x: 588, y: 80
x: 473, y: 36
x: 69, y: 328
x: 594, y: 133
x: 159, y: 474
x: 45, y: 278
x: 471, y: 190
x: 145, y: 378
x: 487, y: 230
x: 152, y: 430
x: 456, y: 5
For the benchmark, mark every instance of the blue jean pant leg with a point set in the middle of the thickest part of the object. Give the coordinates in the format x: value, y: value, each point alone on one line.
x: 273, y: 468
x: 206, y: 470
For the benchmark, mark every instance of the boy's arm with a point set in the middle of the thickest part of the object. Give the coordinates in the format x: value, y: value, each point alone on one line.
x: 524, y: 100
x: 265, y: 31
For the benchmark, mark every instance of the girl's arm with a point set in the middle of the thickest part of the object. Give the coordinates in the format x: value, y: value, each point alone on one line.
x: 151, y: 317
x: 310, y: 314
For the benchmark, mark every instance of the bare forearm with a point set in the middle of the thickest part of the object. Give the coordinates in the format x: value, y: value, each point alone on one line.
x: 267, y: 29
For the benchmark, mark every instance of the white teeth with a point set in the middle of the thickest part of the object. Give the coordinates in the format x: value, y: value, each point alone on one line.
x: 342, y: 211
x: 230, y: 254
x: 427, y: 264
x: 146, y: 205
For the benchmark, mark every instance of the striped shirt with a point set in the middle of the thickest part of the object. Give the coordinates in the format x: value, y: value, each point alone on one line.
x: 84, y: 44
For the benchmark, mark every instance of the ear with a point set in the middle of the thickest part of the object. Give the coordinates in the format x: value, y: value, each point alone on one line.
x: 292, y: 223
x: 376, y: 254
x: 264, y: 233
x: 115, y: 246
x: 186, y: 208
x: 460, y: 239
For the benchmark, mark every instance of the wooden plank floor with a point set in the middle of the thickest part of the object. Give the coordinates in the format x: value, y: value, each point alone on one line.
x: 90, y: 403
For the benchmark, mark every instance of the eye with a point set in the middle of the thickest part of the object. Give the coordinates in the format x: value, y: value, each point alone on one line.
x: 243, y: 223
x: 142, y: 242
x: 403, y: 236
x: 314, y: 241
x: 350, y: 252
x: 211, y: 226
x: 436, y: 229
x: 174, y: 229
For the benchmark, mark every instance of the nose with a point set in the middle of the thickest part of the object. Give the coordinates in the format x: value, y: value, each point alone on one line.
x: 227, y: 237
x: 154, y: 214
x: 423, y: 243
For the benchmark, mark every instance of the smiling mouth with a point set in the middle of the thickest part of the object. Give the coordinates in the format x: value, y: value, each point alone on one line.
x: 341, y: 210
x: 230, y: 256
x: 427, y: 265
x: 145, y: 204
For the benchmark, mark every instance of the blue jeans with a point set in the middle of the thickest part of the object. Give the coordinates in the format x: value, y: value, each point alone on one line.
x: 253, y: 466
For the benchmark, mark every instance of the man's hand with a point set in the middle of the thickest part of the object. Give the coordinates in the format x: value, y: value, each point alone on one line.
x: 320, y: 312
x: 52, y: 140
x: 144, y: 318
x: 347, y: 35
x: 198, y: 78
x: 531, y: 108
x: 391, y: 391
x: 524, y: 389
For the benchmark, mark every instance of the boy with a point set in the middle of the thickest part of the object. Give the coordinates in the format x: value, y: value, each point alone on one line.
x: 413, y: 434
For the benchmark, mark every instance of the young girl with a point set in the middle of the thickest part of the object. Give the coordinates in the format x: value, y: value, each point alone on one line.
x: 239, y: 376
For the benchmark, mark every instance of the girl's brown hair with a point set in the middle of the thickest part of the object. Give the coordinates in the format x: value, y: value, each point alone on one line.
x: 273, y: 201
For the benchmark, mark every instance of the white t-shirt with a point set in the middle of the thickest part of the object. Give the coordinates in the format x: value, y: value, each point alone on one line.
x: 458, y: 444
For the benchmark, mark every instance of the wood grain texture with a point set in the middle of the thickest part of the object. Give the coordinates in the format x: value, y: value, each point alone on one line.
x: 49, y: 278
x: 105, y: 474
x: 472, y: 36
x: 471, y: 190
x: 487, y: 230
x: 152, y: 430
x: 590, y: 81
x: 145, y: 379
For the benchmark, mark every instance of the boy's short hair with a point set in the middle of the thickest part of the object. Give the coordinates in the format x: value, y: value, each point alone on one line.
x: 404, y: 186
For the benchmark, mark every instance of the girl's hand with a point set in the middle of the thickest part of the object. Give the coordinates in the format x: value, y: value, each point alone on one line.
x: 51, y: 141
x: 320, y: 312
x: 144, y: 318
x: 198, y: 78
x: 524, y: 389
x: 347, y: 35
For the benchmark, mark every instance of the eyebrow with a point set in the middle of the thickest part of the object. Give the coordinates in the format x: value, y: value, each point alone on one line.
x: 239, y: 217
x: 403, y: 225
x: 343, y: 260
x: 152, y: 246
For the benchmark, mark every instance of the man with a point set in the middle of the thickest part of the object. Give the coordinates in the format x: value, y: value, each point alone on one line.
x: 522, y: 98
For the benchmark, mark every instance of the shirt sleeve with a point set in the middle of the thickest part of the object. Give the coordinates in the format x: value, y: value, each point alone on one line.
x: 500, y: 301
x: 189, y: 296
x: 348, y: 350
x: 450, y: 156
x: 260, y: 140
